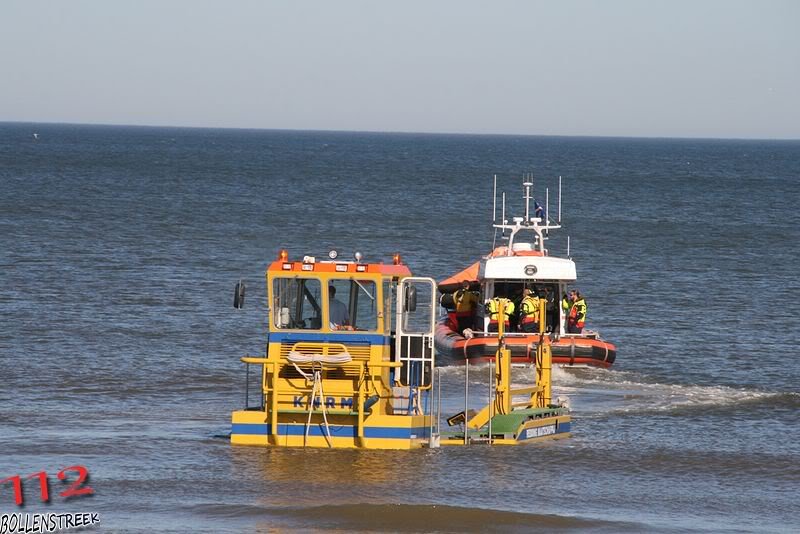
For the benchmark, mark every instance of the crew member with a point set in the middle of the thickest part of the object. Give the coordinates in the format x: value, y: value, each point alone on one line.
x: 337, y: 311
x: 577, y: 314
x: 566, y: 305
x: 465, y: 302
x: 529, y: 312
x: 550, y: 306
x: 493, y: 309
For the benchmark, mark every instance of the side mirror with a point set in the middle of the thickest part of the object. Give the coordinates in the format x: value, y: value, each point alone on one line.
x: 411, y: 299
x: 238, y: 295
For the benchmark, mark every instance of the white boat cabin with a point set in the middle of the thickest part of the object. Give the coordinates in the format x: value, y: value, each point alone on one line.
x: 507, y: 275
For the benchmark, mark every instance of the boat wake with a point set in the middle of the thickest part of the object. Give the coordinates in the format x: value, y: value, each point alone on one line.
x: 602, y: 392
x: 630, y: 392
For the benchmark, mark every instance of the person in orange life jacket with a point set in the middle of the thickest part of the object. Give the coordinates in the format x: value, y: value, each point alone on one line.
x: 529, y: 312
x: 577, y: 314
x: 466, y: 303
x: 493, y: 309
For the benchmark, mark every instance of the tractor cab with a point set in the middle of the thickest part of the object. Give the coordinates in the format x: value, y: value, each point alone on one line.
x: 349, y: 359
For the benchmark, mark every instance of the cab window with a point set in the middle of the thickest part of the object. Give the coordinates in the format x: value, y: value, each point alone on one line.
x: 389, y: 290
x: 296, y: 303
x: 353, y: 304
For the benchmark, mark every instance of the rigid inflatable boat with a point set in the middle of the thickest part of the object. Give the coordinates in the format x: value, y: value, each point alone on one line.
x: 505, y: 273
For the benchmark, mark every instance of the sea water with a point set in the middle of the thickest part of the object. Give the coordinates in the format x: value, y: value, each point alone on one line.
x: 119, y: 345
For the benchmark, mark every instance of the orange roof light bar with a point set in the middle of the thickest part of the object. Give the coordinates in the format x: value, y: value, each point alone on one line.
x: 397, y: 260
x: 283, y: 255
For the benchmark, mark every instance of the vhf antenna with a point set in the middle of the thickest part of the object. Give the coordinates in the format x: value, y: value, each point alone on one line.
x: 559, y: 199
x: 504, y: 215
x: 546, y: 211
x: 494, y: 214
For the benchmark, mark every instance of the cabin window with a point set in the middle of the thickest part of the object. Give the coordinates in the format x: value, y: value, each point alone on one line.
x: 356, y: 305
x: 418, y: 319
x: 389, y: 291
x: 296, y: 303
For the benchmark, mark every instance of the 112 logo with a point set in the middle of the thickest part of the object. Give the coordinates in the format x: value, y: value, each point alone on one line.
x: 76, y: 488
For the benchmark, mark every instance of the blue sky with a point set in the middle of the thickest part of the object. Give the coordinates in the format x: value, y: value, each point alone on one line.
x: 705, y: 68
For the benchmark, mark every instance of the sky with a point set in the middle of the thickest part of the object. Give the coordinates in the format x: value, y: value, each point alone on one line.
x: 679, y: 68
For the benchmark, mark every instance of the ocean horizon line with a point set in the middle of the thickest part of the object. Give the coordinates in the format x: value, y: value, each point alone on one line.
x: 404, y: 132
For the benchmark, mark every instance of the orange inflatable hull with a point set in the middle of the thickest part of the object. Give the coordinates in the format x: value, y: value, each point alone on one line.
x: 573, y: 349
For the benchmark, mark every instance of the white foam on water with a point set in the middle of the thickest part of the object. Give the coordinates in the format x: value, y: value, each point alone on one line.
x: 602, y: 391
x: 627, y: 392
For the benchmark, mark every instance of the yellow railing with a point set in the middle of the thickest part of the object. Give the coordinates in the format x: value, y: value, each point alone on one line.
x: 365, y: 370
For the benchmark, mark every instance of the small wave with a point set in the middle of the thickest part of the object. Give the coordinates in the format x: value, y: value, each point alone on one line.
x: 621, y: 392
x: 638, y: 395
x: 561, y: 375
x: 416, y: 518
x: 232, y: 511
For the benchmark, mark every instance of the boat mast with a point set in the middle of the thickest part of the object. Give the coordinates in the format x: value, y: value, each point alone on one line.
x: 527, y: 186
x: 539, y: 224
